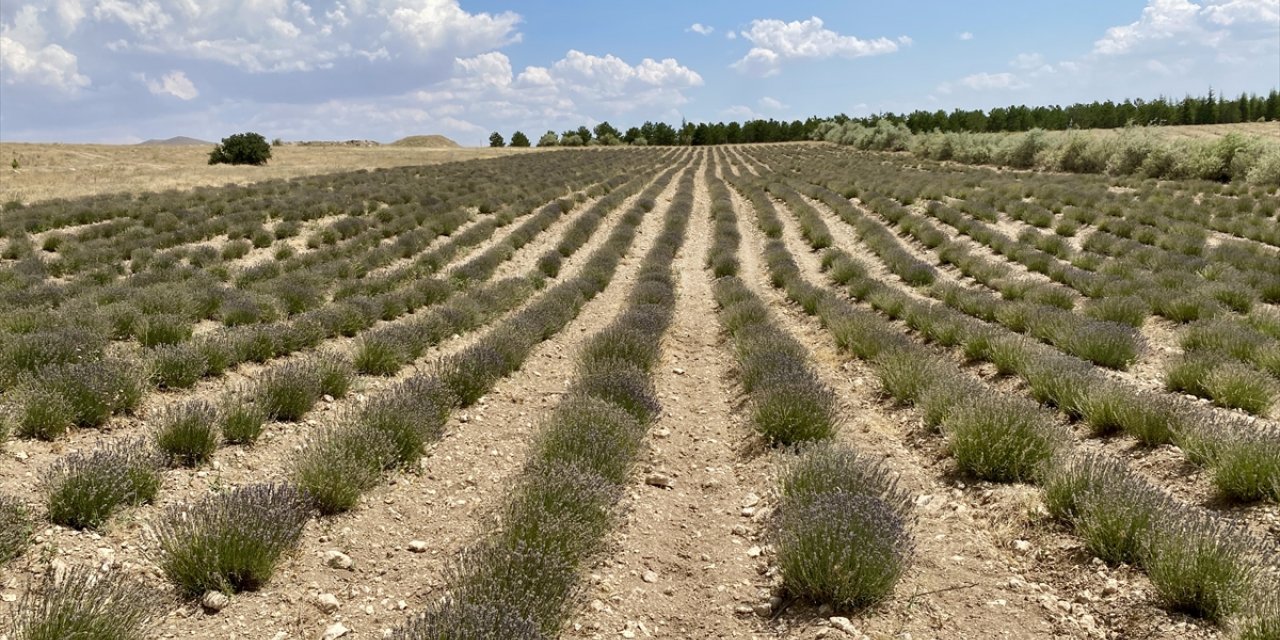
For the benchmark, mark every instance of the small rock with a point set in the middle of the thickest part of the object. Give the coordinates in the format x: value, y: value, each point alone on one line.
x: 1021, y: 546
x: 744, y: 609
x: 842, y: 623
x: 663, y: 432
x: 650, y: 577
x: 660, y: 480
x: 750, y: 500
x: 335, y: 631
x: 754, y: 552
x: 1111, y: 588
x: 417, y: 546
x: 338, y: 560
x: 327, y: 602
x: 214, y: 601
x: 678, y: 371
x: 764, y: 609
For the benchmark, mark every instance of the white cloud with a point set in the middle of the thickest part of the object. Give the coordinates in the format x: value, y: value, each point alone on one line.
x: 741, y: 113
x: 731, y: 35
x: 1027, y: 61
x: 435, y: 25
x: 701, y: 29
x: 49, y: 65
x: 965, y: 35
x: 981, y: 81
x: 174, y: 83
x: 1181, y: 22
x: 772, y: 104
x: 775, y: 41
x: 26, y: 57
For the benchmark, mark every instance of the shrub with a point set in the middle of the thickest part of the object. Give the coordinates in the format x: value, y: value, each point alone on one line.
x: 454, y: 620
x: 1001, y: 439
x: 1199, y: 566
x: 289, y: 391
x: 1127, y: 310
x: 241, y: 148
x: 230, y: 541
x: 946, y: 393
x: 188, y: 433
x: 1239, y: 386
x: 82, y: 602
x: 178, y: 366
x: 905, y: 374
x: 1246, y: 465
x: 82, y: 490
x: 340, y: 464
x: 89, y: 392
x: 379, y: 355
x: 1261, y: 620
x: 410, y: 415
x: 620, y: 383
x: 593, y: 435
x: 243, y: 417
x: 15, y: 528
x: 1115, y: 520
x: 619, y: 344
x: 162, y: 329
x: 472, y: 373
x: 847, y: 550
x: 334, y: 374
x: 1189, y: 373
x: 824, y: 469
x: 795, y: 411
x: 41, y: 412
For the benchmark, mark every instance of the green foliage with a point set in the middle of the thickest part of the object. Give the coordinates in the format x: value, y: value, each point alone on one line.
x: 495, y: 140
x: 241, y: 148
x: 82, y: 489
x: 82, y: 602
x: 519, y: 139
x: 15, y: 528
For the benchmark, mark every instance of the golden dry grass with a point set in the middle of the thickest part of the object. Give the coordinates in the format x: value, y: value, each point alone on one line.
x: 49, y: 171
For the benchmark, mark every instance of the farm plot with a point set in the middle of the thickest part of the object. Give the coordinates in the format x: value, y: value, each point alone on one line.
x: 775, y: 391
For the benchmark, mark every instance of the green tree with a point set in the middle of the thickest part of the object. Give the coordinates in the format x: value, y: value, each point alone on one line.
x: 584, y: 134
x: 241, y: 148
x: 495, y: 140
x: 605, y: 129
x: 549, y: 139
x: 519, y: 139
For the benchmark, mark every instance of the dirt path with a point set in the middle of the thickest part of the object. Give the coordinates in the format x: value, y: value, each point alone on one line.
x: 681, y: 566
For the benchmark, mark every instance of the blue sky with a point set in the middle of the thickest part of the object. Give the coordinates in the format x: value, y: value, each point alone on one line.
x: 127, y: 70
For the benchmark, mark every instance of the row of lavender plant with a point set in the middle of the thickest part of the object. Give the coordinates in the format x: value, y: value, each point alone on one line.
x: 842, y: 526
x: 1198, y: 562
x: 518, y: 581
x: 233, y: 541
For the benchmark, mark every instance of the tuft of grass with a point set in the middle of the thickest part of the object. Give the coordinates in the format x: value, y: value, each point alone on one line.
x: 1001, y: 439
x: 472, y: 373
x: 618, y: 344
x: 1189, y: 373
x: 340, y: 464
x: 334, y: 374
x: 188, y: 433
x: 81, y: 602
x: 41, y: 412
x: 379, y: 355
x: 1126, y: 310
x: 231, y: 541
x: 162, y: 329
x: 83, y: 489
x: 1261, y: 619
x: 15, y: 528
x: 944, y: 394
x: 845, y: 549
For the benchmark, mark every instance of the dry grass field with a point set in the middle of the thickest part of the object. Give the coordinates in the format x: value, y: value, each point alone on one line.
x: 76, y: 170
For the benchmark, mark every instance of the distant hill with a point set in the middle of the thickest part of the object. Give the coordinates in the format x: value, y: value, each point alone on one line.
x: 433, y: 141
x: 173, y: 142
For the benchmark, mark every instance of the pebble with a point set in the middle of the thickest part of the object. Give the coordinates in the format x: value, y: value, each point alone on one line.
x: 214, y: 601
x: 750, y: 500
x: 417, y: 546
x: 1022, y: 546
x: 660, y: 480
x: 335, y: 631
x: 650, y: 577
x: 744, y: 609
x: 842, y: 623
x: 338, y: 560
x: 764, y: 609
x: 327, y: 602
x: 754, y: 552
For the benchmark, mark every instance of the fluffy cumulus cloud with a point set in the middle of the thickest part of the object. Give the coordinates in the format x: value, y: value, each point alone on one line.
x: 175, y: 84
x: 28, y: 57
x: 1174, y: 23
x: 701, y: 29
x: 775, y: 42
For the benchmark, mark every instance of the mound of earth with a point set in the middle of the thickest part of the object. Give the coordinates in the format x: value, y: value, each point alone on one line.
x: 173, y: 142
x: 433, y: 141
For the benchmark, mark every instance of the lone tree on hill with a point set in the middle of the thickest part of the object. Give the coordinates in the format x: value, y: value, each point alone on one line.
x: 495, y: 140
x: 519, y: 139
x: 241, y: 148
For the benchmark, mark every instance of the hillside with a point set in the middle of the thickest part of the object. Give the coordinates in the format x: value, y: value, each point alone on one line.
x: 173, y: 142
x: 431, y: 141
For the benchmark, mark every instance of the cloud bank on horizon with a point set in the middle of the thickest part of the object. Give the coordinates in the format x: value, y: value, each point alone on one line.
x: 126, y: 70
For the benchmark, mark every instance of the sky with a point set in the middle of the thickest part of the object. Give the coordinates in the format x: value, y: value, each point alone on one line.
x: 121, y: 71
